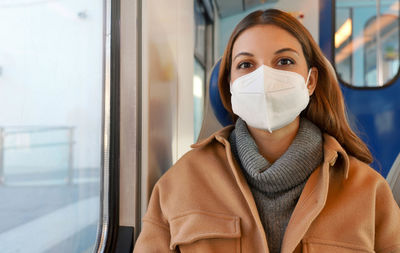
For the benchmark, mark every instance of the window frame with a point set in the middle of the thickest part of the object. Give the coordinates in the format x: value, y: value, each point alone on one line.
x: 111, y: 237
x: 207, y: 62
x: 333, y: 54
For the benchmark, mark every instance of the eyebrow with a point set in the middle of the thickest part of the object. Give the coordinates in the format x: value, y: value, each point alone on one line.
x: 286, y: 49
x: 277, y: 52
x: 243, y: 53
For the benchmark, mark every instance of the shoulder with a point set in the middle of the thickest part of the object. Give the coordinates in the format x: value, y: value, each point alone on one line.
x: 207, y: 155
x: 351, y: 177
x: 206, y: 161
x: 366, y: 185
x: 362, y: 173
x: 355, y: 172
x: 376, y: 196
x: 196, y: 180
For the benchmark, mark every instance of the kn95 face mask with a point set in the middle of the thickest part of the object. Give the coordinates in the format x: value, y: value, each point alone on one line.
x: 269, y: 98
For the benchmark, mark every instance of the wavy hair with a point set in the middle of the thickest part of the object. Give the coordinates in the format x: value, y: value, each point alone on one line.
x: 326, y: 108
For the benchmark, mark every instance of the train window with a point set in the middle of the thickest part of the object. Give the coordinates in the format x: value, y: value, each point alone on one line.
x: 366, y: 42
x: 200, y: 32
x: 198, y: 93
x: 202, y: 59
x: 51, y: 90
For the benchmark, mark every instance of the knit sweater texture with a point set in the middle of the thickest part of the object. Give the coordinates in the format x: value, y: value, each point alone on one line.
x: 277, y: 187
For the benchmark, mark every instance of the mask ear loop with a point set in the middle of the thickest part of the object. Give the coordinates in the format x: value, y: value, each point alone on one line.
x: 308, y: 76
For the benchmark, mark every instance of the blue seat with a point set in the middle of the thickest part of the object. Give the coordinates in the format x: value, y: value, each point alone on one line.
x: 218, y: 108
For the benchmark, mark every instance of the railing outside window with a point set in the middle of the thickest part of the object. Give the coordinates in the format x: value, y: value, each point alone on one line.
x: 37, y: 155
x: 366, y: 42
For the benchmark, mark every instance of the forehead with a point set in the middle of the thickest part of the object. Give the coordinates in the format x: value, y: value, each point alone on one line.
x: 265, y: 39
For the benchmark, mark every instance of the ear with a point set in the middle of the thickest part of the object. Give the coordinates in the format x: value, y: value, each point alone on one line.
x: 312, y: 82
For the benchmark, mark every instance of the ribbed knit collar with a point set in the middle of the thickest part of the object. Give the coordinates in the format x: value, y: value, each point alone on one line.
x: 293, y: 168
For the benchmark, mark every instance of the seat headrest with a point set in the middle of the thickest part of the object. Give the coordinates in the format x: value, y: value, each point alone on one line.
x: 219, y: 110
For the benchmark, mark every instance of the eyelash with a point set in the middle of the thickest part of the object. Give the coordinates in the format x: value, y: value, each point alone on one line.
x: 279, y: 63
x: 285, y: 59
x: 240, y: 65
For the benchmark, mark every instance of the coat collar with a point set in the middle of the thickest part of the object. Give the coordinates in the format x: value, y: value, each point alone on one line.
x: 334, y: 154
x: 222, y: 133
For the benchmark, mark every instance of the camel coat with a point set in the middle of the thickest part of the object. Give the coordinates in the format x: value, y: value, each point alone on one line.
x: 204, y: 204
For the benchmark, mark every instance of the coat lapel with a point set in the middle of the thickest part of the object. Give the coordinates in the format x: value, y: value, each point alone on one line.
x: 314, y: 195
x: 244, y: 188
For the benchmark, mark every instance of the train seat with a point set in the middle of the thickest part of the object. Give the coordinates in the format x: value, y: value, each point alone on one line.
x: 219, y: 110
x: 393, y: 179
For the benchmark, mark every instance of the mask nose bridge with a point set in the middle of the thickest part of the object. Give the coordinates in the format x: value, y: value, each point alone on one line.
x: 270, y: 73
x: 278, y: 80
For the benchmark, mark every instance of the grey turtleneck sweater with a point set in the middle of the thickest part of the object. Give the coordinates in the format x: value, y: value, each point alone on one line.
x: 277, y: 187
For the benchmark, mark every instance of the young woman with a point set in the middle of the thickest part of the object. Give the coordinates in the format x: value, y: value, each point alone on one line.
x: 290, y: 175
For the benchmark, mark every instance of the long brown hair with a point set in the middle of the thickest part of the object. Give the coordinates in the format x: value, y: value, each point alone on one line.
x: 326, y: 108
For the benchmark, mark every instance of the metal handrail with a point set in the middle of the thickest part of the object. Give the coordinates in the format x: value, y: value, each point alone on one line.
x: 4, y: 133
x: 33, y: 129
x: 38, y: 145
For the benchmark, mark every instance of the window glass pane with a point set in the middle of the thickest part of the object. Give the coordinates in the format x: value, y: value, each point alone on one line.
x: 198, y: 93
x: 200, y: 32
x: 50, y: 124
x: 367, y: 42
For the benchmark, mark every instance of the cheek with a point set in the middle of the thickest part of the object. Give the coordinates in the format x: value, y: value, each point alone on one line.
x: 236, y: 73
x: 232, y: 77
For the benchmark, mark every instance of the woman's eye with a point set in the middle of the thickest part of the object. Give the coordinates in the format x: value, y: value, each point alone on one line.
x: 285, y: 61
x: 245, y: 65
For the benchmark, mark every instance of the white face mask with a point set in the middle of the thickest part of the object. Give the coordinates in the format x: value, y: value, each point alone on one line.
x: 268, y: 98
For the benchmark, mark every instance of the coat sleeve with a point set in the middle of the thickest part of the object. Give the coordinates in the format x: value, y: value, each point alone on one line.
x: 155, y: 235
x: 387, y: 220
